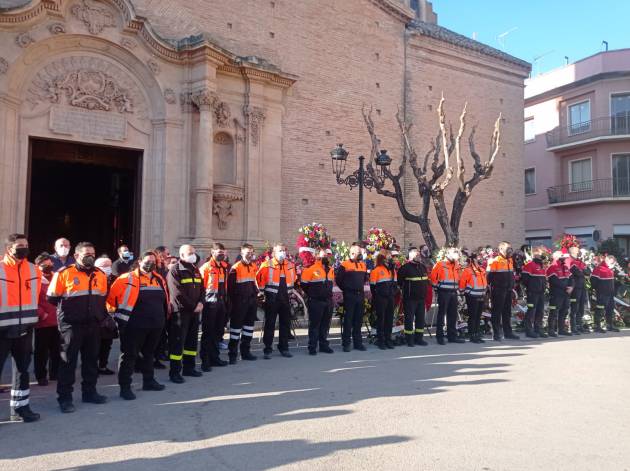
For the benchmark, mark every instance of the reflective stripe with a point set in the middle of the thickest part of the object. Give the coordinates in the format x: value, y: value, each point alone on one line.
x: 271, y: 290
x: 3, y: 287
x: 409, y: 332
x: 574, y: 300
x: 530, y: 305
x: 125, y: 302
x: 120, y: 315
x: 599, y: 306
x: 419, y: 331
x: 175, y: 357
x: 503, y: 270
x: 417, y: 278
x: 189, y: 280
x: 244, y: 280
x: 74, y: 294
x: 4, y: 298
x: 552, y: 307
x: 247, y: 333
x: 192, y: 353
x: 19, y: 320
x: 34, y: 300
x: 15, y: 393
x: 150, y: 288
x: 25, y: 307
x: 22, y: 403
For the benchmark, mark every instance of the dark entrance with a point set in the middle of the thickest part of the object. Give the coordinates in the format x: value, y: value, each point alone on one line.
x: 83, y: 193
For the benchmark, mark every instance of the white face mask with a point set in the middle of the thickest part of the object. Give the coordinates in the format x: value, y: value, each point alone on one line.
x: 192, y: 258
x: 107, y: 270
x: 63, y: 251
x: 453, y: 256
x: 281, y: 256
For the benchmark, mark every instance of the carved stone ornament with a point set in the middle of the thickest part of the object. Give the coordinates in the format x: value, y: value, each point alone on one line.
x: 224, y: 196
x: 169, y: 96
x: 128, y: 43
x: 95, y: 16
x: 222, y: 114
x: 186, y: 102
x: 222, y: 138
x: 153, y: 66
x: 4, y: 66
x: 204, y: 98
x: 24, y: 39
x: 56, y: 28
x: 87, y: 82
x: 256, y: 117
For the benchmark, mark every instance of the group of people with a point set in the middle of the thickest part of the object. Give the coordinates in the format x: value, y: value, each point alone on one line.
x: 76, y: 304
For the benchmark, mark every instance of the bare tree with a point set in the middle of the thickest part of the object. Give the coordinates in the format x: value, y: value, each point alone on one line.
x: 434, y: 172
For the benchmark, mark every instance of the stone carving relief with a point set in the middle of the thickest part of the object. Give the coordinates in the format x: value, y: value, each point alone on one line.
x: 128, y: 43
x: 222, y: 114
x: 224, y: 196
x: 24, y: 40
x: 57, y: 28
x: 89, y: 83
x: 186, y: 102
x: 4, y: 66
x: 169, y: 96
x: 96, y: 17
x: 204, y: 98
x: 256, y: 117
x: 222, y: 138
x: 153, y: 66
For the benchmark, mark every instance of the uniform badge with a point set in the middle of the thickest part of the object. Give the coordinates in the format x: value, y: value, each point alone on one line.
x: 76, y: 281
x: 316, y: 273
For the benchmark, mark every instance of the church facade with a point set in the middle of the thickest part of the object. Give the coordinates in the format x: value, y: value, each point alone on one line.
x: 156, y: 122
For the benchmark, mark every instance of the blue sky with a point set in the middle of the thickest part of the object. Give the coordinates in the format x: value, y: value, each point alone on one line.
x: 552, y: 28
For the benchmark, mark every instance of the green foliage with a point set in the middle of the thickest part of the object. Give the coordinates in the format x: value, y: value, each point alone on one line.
x: 610, y: 246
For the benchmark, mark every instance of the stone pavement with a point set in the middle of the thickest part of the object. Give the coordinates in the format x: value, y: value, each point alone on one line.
x: 521, y: 405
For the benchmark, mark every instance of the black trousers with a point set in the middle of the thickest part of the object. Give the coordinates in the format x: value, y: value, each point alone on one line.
x: 319, y: 317
x: 242, y: 321
x: 103, y: 353
x: 277, y: 308
x: 578, y: 301
x: 46, y: 356
x: 20, y: 350
x: 384, y: 307
x: 447, y: 307
x: 183, y: 337
x: 136, y: 341
x: 475, y: 307
x: 84, y: 340
x: 606, y: 307
x: 353, y: 311
x: 558, y: 308
x: 414, y: 315
x: 212, y: 321
x: 535, y: 312
x: 501, y: 311
x: 162, y: 346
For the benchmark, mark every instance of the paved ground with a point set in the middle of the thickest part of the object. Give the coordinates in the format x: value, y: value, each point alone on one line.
x: 561, y: 404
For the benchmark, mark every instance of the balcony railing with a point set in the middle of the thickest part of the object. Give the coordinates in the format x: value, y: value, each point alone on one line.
x: 607, y: 188
x: 600, y: 127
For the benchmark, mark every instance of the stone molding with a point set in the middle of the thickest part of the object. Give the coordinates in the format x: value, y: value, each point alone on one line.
x: 94, y: 16
x: 255, y: 119
x: 223, y: 197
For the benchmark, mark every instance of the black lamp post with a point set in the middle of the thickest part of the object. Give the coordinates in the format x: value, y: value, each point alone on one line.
x: 359, y: 178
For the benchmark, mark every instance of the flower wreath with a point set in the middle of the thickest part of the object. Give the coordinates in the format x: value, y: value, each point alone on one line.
x: 378, y: 239
x: 311, y: 238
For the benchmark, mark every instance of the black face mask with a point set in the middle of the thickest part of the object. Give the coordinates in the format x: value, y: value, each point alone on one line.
x: 88, y: 261
x: 47, y: 270
x: 509, y: 253
x: 325, y: 261
x: 538, y: 260
x: 148, y: 267
x: 219, y: 258
x: 21, y: 253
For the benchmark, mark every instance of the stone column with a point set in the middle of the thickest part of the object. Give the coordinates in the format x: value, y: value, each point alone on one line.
x: 203, y: 178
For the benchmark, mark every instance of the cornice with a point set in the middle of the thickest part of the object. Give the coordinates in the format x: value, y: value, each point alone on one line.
x: 396, y: 9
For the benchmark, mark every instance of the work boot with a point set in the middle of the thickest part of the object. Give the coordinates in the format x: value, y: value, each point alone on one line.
x: 106, y: 371
x: 247, y: 356
x: 286, y: 353
x: 512, y: 336
x: 612, y: 328
x: 176, y: 378
x: 127, y: 394
x: 312, y: 351
x: 326, y: 349
x: 410, y: 340
x: 192, y: 372
x: 389, y: 343
x: 24, y: 414
x: 66, y: 406
x: 456, y: 340
x: 552, y: 333
x: 381, y: 344
x: 205, y: 367
x: 218, y: 362
x: 267, y: 354
x: 152, y: 385
x: 480, y: 339
x: 360, y: 347
x: 232, y: 360
x: 441, y: 341
x: 566, y: 333
x: 158, y: 365
x: 94, y: 398
x: 541, y: 333
x: 531, y: 334
x: 418, y: 339
x: 347, y: 348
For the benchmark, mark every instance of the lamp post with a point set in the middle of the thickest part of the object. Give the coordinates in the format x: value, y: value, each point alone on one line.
x: 359, y: 178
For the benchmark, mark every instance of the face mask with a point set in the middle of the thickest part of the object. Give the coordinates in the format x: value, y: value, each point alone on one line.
x: 21, y: 253
x: 192, y: 258
x: 63, y: 251
x: 107, y: 270
x: 219, y: 257
x: 453, y: 257
x: 127, y: 256
x: 325, y: 261
x: 509, y: 252
x: 47, y: 270
x: 425, y: 253
x: 148, y: 267
x: 280, y: 256
x: 88, y: 261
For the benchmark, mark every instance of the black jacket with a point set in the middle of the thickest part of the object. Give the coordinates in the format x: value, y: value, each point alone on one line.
x: 413, y: 280
x: 185, y: 286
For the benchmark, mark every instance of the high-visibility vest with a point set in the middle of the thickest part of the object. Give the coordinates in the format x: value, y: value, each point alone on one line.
x: 271, y: 272
x: 245, y: 273
x: 445, y: 275
x: 501, y: 264
x: 473, y: 281
x: 20, y: 283
x: 381, y: 274
x: 214, y: 274
x: 126, y: 289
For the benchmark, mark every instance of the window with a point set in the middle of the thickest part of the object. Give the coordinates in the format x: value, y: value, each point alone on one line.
x: 580, y: 177
x: 530, y: 181
x: 535, y: 242
x: 621, y: 175
x: 580, y: 117
x: 620, y: 113
x: 530, y: 131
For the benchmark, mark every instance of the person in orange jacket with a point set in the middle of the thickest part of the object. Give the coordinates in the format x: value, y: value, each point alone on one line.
x: 20, y: 284
x: 473, y: 284
x: 383, y: 287
x: 276, y: 277
x: 445, y: 279
x: 501, y: 281
x: 139, y: 301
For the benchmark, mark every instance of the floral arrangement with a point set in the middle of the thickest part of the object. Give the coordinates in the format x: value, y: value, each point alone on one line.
x: 341, y: 251
x: 378, y: 239
x: 312, y: 237
x: 567, y: 241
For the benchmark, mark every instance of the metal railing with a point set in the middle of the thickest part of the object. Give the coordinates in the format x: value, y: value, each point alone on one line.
x: 599, y: 127
x: 607, y: 188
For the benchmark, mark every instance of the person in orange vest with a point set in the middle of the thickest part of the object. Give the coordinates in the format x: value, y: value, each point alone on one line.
x: 276, y: 278
x: 501, y: 282
x: 214, y: 273
x: 20, y: 284
x: 351, y: 277
x: 445, y: 279
x: 473, y: 284
x: 79, y: 291
x: 139, y: 301
x: 317, y: 282
x: 383, y: 287
x: 243, y: 295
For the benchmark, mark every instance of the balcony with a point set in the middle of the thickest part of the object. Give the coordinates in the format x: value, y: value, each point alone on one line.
x: 592, y: 191
x: 607, y: 128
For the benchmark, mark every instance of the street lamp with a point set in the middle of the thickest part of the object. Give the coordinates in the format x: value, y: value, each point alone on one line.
x: 359, y: 178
